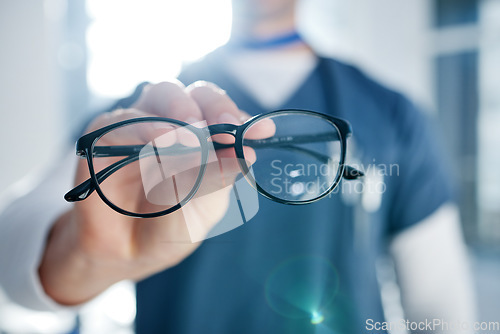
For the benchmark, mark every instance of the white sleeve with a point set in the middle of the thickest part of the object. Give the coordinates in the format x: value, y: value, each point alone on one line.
x: 433, y: 271
x: 24, y: 226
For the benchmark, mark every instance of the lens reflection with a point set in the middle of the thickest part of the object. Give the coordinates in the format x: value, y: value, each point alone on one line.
x: 300, y: 158
x: 152, y: 166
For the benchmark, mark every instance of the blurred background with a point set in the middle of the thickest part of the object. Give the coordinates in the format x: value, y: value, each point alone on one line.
x: 61, y: 61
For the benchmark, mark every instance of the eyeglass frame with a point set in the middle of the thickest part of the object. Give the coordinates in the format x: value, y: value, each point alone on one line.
x: 86, y: 144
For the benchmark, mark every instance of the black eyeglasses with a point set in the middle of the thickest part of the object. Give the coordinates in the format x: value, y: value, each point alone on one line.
x: 288, y: 156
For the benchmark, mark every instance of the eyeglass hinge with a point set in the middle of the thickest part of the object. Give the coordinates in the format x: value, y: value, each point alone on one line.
x: 81, y: 153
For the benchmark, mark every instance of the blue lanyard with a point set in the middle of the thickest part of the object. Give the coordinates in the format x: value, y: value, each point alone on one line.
x: 266, y: 43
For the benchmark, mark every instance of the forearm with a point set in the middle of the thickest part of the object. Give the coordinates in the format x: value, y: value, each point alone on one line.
x: 78, y: 264
x: 68, y: 275
x: 432, y: 266
x: 92, y: 246
x: 25, y: 224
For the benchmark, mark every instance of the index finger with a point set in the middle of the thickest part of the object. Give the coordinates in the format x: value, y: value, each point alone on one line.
x: 169, y: 99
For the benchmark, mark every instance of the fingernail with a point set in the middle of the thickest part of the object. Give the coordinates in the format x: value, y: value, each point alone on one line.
x: 228, y: 118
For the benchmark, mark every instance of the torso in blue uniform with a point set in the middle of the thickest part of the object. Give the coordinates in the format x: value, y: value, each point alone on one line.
x: 310, y: 268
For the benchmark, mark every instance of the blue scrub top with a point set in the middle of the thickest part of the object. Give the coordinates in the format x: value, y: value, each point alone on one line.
x: 310, y: 268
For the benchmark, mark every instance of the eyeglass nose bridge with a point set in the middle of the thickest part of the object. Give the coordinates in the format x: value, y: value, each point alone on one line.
x: 216, y: 129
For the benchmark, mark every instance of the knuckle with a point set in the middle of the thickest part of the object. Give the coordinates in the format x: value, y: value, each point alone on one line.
x: 158, y: 89
x: 166, y: 86
x: 199, y: 92
x: 223, y: 105
x: 155, y: 92
x: 181, y: 105
x: 204, y: 89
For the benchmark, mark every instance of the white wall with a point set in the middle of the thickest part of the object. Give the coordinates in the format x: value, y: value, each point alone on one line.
x: 489, y: 120
x: 389, y: 39
x: 30, y: 103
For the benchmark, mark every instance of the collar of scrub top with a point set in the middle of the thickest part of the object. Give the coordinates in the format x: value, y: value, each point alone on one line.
x: 269, y: 43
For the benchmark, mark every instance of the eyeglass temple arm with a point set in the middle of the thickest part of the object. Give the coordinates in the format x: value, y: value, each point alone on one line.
x: 350, y: 173
x: 134, y: 152
x: 124, y: 150
x: 86, y: 188
x: 287, y: 140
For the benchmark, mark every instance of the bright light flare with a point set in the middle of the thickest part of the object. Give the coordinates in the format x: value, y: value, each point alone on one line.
x: 133, y: 41
x: 317, y: 318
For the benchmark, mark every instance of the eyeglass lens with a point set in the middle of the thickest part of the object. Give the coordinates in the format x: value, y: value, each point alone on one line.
x: 159, y: 163
x: 301, y: 161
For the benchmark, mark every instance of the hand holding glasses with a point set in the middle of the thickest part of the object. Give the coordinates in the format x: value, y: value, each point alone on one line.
x: 143, y: 162
x: 289, y: 156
